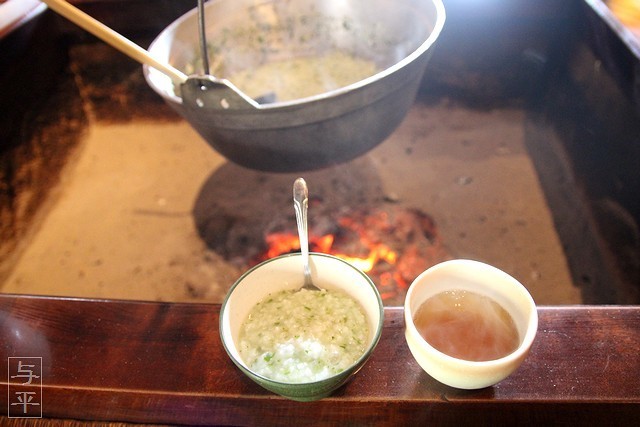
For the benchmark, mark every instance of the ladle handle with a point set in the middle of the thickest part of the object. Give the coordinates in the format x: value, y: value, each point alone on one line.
x: 113, y: 38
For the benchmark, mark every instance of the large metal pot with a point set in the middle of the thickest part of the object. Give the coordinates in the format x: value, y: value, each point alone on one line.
x: 320, y: 130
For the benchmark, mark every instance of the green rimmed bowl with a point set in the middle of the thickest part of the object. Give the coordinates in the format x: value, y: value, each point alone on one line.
x: 285, y: 272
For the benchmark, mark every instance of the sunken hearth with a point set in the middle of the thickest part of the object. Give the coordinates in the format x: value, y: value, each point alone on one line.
x: 391, y: 243
x: 488, y: 165
x: 398, y: 210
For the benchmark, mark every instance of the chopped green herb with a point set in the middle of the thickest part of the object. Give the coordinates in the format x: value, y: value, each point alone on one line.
x: 290, y: 345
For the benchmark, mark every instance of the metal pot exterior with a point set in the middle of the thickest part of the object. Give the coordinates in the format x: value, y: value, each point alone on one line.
x: 316, y: 132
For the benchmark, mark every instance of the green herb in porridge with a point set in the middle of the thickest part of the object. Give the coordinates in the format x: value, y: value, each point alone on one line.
x: 302, y: 77
x: 303, y: 336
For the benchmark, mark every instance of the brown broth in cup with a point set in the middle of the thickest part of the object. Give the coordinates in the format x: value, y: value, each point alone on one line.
x: 467, y: 325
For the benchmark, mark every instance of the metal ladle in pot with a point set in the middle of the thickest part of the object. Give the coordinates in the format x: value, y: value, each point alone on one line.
x: 203, y: 91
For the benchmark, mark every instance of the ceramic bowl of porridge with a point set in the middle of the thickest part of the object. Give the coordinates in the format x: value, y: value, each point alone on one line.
x: 322, y: 81
x: 301, y: 344
x: 468, y: 324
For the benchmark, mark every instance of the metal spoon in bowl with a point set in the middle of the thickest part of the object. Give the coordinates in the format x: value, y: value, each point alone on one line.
x: 301, y: 205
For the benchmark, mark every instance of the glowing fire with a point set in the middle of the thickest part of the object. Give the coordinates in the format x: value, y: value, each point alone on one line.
x: 282, y: 243
x: 392, y: 246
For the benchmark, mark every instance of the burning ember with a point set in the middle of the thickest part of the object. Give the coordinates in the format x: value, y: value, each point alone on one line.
x: 393, y: 246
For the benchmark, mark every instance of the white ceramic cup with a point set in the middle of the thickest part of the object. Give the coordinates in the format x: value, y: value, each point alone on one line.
x: 483, y: 279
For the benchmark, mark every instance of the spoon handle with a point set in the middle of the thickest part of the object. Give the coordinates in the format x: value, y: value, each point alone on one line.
x: 301, y: 205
